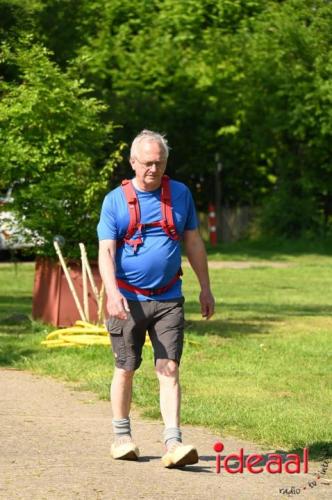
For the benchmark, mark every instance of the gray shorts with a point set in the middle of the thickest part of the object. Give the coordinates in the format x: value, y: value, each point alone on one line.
x: 163, y: 320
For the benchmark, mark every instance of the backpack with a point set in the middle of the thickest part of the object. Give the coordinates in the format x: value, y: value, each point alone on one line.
x: 166, y: 223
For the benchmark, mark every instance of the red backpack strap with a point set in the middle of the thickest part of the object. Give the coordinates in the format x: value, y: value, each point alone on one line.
x: 150, y: 291
x: 166, y: 209
x: 133, y: 207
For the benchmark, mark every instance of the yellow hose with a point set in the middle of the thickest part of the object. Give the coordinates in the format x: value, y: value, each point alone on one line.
x: 83, y: 333
x: 85, y: 339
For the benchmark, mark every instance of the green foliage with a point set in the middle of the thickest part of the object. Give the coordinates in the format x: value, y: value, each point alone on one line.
x: 250, y: 80
x: 165, y: 61
x: 285, y: 97
x: 15, y: 17
x: 56, y: 149
x: 290, y: 216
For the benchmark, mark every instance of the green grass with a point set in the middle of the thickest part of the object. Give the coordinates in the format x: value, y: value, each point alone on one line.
x: 261, y: 371
x: 271, y: 249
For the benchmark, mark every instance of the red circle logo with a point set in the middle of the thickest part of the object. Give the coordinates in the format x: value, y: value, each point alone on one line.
x: 218, y: 447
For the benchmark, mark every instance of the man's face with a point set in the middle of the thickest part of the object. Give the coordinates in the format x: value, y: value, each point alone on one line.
x: 149, y: 164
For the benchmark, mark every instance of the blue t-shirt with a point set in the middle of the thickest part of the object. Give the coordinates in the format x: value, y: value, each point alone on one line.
x: 158, y: 259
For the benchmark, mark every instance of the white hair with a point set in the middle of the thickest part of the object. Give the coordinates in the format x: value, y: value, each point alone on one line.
x: 149, y: 135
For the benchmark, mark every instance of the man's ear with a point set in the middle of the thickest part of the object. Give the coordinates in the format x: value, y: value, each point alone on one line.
x: 132, y: 163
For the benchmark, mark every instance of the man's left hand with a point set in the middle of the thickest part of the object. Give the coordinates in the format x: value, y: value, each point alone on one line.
x: 207, y: 303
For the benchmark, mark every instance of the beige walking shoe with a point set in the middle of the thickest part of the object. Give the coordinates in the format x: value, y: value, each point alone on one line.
x: 124, y: 448
x: 179, y: 455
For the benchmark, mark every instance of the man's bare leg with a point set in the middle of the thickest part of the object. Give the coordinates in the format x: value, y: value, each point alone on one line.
x: 170, y: 392
x: 177, y: 454
x: 121, y: 393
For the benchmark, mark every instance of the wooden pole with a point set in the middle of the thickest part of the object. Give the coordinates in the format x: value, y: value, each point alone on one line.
x: 90, y: 275
x: 85, y: 283
x: 69, y: 280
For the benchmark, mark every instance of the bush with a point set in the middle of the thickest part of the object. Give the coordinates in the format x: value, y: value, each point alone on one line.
x: 56, y: 149
x: 289, y: 214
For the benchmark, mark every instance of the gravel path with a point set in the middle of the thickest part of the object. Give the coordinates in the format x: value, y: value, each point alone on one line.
x: 54, y: 444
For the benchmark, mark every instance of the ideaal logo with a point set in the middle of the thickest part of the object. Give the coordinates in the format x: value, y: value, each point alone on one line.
x: 256, y: 463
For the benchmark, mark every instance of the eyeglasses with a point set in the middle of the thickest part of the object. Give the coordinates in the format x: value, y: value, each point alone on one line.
x: 149, y: 164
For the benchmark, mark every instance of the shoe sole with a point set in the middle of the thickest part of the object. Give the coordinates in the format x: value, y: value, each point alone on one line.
x: 190, y: 458
x: 129, y: 454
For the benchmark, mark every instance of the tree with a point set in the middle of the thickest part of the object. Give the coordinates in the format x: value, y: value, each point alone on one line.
x: 249, y: 80
x: 285, y: 95
x: 56, y: 149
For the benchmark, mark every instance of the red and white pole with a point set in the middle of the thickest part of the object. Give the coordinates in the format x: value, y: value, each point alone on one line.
x: 212, y: 222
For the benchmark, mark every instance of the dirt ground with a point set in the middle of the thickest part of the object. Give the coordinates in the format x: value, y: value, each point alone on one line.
x: 54, y: 444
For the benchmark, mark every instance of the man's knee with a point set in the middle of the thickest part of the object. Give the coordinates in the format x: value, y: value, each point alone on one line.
x: 167, y: 367
x: 130, y: 364
x: 123, y: 374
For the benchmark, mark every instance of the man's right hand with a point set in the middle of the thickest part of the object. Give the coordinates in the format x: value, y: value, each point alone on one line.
x: 117, y: 306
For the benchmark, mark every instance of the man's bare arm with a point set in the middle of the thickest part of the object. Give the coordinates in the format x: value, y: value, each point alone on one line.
x: 196, y: 254
x: 117, y: 304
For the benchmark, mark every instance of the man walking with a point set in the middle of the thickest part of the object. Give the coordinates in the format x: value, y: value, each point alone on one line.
x: 140, y: 228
